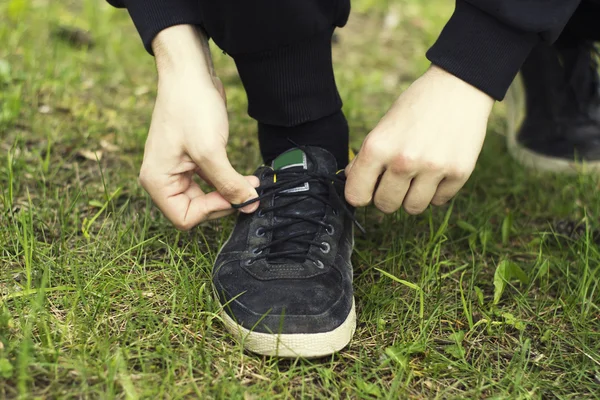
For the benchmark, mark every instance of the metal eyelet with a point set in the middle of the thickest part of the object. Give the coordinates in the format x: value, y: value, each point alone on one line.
x: 330, y: 230
x: 261, y: 213
x: 336, y: 212
x: 256, y: 252
x: 325, y: 247
x: 260, y: 232
x: 319, y: 264
x: 250, y: 261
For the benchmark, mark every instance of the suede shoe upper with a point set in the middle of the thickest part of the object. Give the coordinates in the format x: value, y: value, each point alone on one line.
x: 562, y: 90
x: 286, y: 268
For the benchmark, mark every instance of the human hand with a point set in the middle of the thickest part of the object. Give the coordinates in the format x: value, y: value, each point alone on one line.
x: 424, y: 149
x: 188, y: 135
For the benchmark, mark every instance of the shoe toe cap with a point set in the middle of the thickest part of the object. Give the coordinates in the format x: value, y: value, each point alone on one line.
x: 307, y: 305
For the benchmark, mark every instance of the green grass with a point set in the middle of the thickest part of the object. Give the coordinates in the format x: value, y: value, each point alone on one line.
x: 101, y: 298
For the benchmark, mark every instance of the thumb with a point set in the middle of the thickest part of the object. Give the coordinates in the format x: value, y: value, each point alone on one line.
x: 349, y: 166
x: 228, y: 182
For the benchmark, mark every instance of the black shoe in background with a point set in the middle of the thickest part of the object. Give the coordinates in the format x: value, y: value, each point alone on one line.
x: 560, y: 131
x: 284, y: 277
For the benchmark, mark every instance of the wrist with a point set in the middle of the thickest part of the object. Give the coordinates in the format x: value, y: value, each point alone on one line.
x: 454, y: 83
x: 183, y: 51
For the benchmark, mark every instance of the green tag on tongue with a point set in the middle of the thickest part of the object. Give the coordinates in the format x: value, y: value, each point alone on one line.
x: 289, y: 159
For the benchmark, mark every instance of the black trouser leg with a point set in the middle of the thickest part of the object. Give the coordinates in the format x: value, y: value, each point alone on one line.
x: 282, y: 49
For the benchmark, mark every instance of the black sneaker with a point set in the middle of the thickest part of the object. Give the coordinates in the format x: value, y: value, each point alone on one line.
x: 284, y: 277
x: 560, y: 130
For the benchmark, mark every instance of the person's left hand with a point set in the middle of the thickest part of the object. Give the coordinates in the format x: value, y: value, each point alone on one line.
x: 424, y: 149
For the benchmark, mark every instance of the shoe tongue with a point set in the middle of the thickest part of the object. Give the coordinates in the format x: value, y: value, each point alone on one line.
x: 296, y: 158
x: 289, y: 159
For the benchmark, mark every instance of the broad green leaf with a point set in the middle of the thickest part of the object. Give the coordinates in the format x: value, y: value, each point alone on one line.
x: 517, y: 272
x: 473, y: 241
x: 505, y: 272
x: 397, y: 356
x: 500, y: 279
x: 506, y: 228
x: 466, y: 226
x: 485, y: 237
x: 479, y: 294
x: 455, y: 351
x: 457, y: 336
x: 6, y: 368
x: 371, y: 389
x: 511, y: 320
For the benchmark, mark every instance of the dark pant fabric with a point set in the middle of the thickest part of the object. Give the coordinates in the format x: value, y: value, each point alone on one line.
x: 283, y: 56
x: 282, y: 50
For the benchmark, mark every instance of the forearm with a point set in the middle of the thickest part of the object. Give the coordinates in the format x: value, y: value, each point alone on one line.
x: 153, y: 16
x: 183, y: 50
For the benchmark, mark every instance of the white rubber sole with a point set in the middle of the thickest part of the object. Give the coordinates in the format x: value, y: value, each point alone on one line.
x: 294, y: 345
x: 540, y: 162
x: 530, y: 159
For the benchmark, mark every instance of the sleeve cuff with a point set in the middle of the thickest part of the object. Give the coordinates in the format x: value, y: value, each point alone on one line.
x: 481, y: 50
x: 152, y: 16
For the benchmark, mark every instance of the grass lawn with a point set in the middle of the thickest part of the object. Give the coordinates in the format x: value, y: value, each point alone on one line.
x: 495, y: 296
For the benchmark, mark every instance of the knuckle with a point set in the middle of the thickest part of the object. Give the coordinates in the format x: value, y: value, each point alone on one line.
x: 413, y: 209
x: 229, y: 190
x: 385, y: 207
x: 144, y: 177
x: 402, y: 164
x: 205, y: 152
x: 440, y: 200
x: 374, y: 149
x: 458, y: 173
x: 356, y: 200
x: 434, y: 166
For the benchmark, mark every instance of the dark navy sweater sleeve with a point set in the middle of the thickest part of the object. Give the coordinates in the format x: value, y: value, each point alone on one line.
x: 152, y: 16
x: 485, y: 42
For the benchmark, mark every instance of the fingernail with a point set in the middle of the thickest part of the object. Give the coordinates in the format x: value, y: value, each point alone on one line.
x: 249, y: 209
x: 255, y: 182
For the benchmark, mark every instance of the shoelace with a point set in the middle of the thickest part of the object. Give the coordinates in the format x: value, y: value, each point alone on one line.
x: 292, y: 178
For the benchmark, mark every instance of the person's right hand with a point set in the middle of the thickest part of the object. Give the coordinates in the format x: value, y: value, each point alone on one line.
x: 188, y: 136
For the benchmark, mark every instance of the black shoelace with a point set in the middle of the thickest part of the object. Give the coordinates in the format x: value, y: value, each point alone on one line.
x: 329, y: 187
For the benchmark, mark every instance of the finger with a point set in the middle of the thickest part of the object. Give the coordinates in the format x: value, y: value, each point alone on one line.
x: 391, y: 191
x: 361, y: 180
x: 349, y: 166
x: 446, y: 190
x: 231, y: 185
x: 254, y: 181
x: 204, y: 207
x: 221, y: 214
x: 203, y: 176
x: 421, y: 191
x: 187, y: 208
